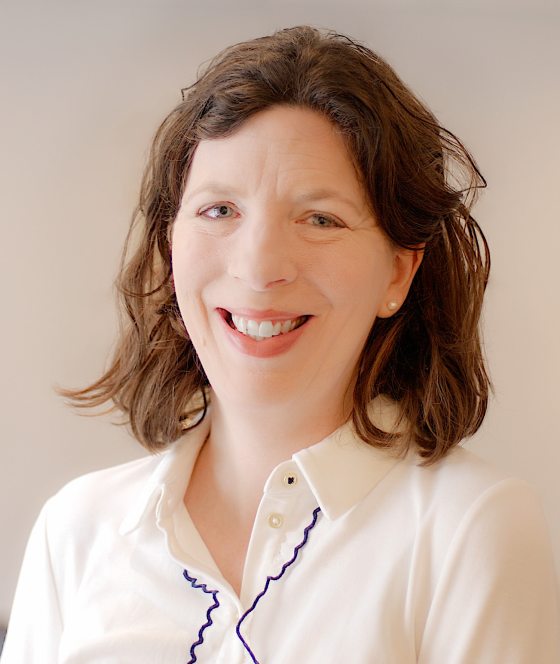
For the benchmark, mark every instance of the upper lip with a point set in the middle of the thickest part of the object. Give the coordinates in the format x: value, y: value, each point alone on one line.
x: 264, y: 314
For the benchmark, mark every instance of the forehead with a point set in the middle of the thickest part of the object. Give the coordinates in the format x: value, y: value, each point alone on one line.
x: 282, y: 149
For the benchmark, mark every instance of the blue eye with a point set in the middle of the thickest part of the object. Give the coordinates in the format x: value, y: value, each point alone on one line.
x: 324, y: 221
x: 220, y: 211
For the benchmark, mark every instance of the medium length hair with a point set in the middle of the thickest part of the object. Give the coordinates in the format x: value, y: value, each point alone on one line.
x: 420, y: 182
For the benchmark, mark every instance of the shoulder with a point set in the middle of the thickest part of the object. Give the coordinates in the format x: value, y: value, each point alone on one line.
x: 117, y: 499
x: 488, y: 553
x: 490, y: 502
x: 461, y: 481
x: 465, y: 508
x: 463, y: 496
x: 449, y: 487
x: 81, y: 523
x: 121, y: 479
x: 102, y: 496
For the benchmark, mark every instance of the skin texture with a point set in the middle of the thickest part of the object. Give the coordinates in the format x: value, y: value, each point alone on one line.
x: 274, y: 218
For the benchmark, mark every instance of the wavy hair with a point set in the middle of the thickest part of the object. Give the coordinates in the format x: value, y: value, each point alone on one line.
x: 421, y: 183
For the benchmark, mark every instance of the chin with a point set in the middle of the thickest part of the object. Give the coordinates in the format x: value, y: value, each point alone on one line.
x: 255, y: 390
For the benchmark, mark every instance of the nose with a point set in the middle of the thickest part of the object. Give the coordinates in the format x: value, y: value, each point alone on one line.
x: 262, y: 253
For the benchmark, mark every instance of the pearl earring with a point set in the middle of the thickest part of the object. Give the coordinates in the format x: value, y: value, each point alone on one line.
x: 392, y: 305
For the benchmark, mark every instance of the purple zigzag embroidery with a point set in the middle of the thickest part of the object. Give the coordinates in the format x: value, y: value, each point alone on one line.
x: 208, y: 622
x: 275, y: 578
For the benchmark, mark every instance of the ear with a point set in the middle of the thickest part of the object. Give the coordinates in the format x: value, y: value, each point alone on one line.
x: 405, y: 265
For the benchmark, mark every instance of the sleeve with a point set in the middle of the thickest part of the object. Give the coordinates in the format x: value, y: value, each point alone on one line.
x: 35, y: 623
x: 497, y: 596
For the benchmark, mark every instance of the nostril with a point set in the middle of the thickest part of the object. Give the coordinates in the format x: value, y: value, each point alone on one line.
x: 277, y: 282
x: 266, y: 271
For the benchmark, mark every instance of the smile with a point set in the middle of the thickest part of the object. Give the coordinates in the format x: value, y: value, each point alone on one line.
x: 265, y: 328
x: 262, y: 329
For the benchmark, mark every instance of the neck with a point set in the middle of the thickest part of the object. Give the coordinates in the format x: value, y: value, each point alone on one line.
x: 245, y: 445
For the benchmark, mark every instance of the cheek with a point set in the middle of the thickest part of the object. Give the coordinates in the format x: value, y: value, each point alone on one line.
x: 188, y: 283
x: 360, y: 279
x: 191, y: 261
x: 197, y: 267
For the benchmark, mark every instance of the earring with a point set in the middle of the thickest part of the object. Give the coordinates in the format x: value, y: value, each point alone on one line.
x: 392, y: 305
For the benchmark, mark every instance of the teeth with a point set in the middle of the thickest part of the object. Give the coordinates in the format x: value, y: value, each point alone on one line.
x: 252, y: 328
x: 265, y: 329
x: 286, y: 326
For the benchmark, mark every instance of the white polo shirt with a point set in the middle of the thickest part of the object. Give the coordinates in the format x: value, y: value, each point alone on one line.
x: 355, y: 556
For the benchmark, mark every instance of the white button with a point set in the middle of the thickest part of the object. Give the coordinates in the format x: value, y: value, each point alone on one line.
x: 290, y: 479
x: 275, y: 520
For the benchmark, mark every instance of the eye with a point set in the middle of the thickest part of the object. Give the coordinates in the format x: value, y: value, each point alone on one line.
x: 325, y: 221
x: 218, y: 211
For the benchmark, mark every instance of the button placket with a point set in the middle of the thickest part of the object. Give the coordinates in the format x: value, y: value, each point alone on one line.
x: 275, y: 520
x: 276, y: 517
x: 290, y: 480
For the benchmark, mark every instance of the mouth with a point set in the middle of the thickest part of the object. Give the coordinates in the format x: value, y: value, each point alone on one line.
x: 263, y: 329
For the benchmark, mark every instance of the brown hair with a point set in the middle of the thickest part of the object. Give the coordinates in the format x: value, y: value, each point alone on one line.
x: 421, y: 183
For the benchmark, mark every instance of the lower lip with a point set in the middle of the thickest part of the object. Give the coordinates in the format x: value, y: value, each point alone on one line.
x: 267, y: 347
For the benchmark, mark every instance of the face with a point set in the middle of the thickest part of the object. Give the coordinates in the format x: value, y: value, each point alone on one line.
x: 279, y: 266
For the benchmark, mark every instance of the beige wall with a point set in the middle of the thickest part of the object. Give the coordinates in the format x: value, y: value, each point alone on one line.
x: 83, y: 87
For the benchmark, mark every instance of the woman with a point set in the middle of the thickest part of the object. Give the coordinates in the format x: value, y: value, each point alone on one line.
x: 302, y: 346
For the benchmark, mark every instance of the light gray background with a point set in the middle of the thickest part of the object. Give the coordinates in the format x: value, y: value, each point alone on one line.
x: 83, y: 87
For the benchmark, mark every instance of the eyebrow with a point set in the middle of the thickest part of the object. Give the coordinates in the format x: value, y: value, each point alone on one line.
x: 210, y: 188
x: 321, y: 194
x: 327, y: 194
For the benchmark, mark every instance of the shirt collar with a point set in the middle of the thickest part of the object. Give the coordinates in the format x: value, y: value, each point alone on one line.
x: 170, y: 476
x: 340, y: 470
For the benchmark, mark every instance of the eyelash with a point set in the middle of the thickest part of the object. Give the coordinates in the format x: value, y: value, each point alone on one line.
x: 332, y: 221
x: 216, y: 206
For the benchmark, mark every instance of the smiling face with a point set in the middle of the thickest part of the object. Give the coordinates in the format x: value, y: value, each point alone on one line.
x: 279, y: 266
